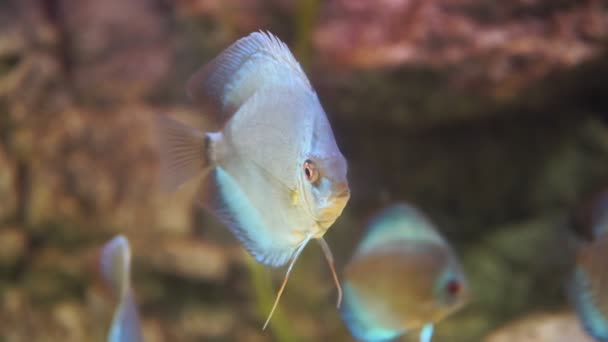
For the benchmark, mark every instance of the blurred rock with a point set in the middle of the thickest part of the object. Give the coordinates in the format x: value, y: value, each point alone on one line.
x: 13, y: 322
x: 242, y: 15
x: 8, y: 186
x: 541, y: 327
x: 205, y: 324
x: 14, y: 246
x: 69, y: 317
x: 516, y: 268
x: 152, y: 330
x: 31, y: 74
x: 116, y: 50
x: 79, y: 177
x: 579, y: 158
x: 185, y: 257
x: 13, y: 302
x: 502, y: 44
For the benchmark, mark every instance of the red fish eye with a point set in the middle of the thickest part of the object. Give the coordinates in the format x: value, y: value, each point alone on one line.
x: 453, y: 287
x: 310, y: 171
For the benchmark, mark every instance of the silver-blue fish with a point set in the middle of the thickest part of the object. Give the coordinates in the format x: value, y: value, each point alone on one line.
x: 403, y: 278
x: 273, y: 173
x: 115, y: 263
x: 588, y: 284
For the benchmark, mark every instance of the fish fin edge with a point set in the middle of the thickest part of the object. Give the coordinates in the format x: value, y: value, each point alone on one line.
x: 126, y: 325
x: 183, y: 152
x: 239, y: 216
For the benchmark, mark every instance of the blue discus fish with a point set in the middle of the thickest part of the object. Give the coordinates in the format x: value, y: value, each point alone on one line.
x: 115, y: 263
x: 402, y: 278
x: 588, y: 286
x: 273, y: 173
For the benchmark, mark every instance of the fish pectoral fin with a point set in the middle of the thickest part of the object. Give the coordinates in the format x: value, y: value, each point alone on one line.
x: 182, y: 152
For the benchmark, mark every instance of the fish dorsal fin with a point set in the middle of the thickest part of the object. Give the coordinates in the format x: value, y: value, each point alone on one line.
x: 251, y: 63
x: 115, y: 261
x: 126, y: 325
x: 399, y: 222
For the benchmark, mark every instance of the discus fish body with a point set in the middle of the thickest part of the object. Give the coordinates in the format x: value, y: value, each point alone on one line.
x: 402, y: 278
x: 273, y: 174
x: 115, y: 263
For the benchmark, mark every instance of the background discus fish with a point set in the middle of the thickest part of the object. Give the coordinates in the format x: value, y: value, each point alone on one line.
x: 115, y: 263
x: 403, y: 277
x: 588, y: 285
x: 273, y: 174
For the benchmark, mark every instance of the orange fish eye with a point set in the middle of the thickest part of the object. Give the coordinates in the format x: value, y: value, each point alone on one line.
x: 310, y: 171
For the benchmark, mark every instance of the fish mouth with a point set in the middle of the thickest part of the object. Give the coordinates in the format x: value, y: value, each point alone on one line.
x: 340, y: 191
x: 328, y: 215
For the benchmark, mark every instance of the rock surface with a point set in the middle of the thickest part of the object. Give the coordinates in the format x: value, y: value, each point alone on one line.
x: 542, y: 327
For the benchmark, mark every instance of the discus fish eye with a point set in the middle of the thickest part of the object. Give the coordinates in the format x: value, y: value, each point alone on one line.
x: 453, y: 287
x: 310, y: 171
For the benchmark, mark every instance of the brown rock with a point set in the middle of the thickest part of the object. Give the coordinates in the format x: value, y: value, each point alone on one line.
x: 8, y: 193
x: 200, y: 323
x: 70, y: 320
x: 117, y: 49
x: 492, y: 42
x: 187, y: 257
x: 14, y: 246
x: 96, y: 168
x: 242, y: 15
x: 13, y: 302
x: 542, y: 327
x: 152, y: 330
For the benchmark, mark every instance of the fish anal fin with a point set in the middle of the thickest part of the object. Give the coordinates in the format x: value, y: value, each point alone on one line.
x: 220, y: 194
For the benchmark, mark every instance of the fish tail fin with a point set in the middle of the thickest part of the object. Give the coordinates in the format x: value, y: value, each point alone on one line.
x: 126, y: 326
x: 183, y: 152
x: 293, y: 261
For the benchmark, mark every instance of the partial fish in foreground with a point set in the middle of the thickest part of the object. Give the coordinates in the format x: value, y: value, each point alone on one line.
x: 273, y: 173
x: 115, y: 263
x: 402, y: 278
x: 588, y: 286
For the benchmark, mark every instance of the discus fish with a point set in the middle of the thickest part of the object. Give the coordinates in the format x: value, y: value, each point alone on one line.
x: 402, y: 278
x: 588, y: 286
x: 273, y: 173
x: 115, y: 263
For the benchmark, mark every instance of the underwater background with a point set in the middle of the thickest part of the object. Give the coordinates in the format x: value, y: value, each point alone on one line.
x: 489, y: 116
